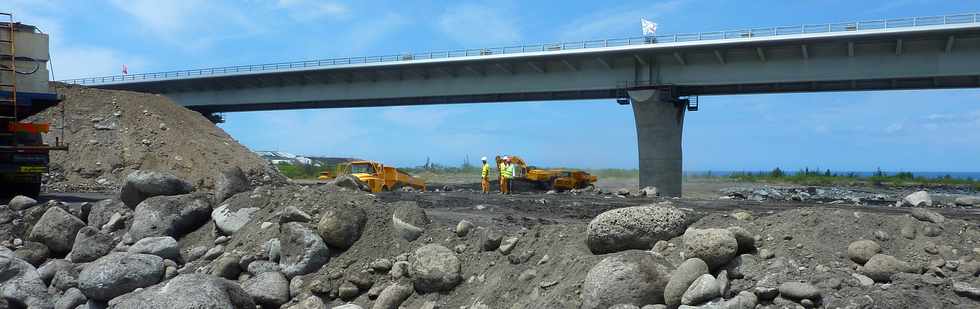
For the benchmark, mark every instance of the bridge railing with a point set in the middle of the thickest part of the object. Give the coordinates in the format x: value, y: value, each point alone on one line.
x: 545, y: 47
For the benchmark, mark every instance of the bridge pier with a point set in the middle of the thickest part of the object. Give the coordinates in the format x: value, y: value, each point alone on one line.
x: 659, y: 126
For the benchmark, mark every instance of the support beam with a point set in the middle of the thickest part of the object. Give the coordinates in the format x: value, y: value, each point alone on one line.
x: 570, y: 65
x: 659, y: 128
x: 806, y: 53
x: 604, y: 62
x: 762, y: 54
x: 450, y: 72
x: 506, y: 67
x: 949, y: 43
x: 679, y: 58
x: 536, y: 66
x: 475, y: 70
x: 719, y: 56
x: 639, y: 60
x: 898, y: 47
x: 850, y: 49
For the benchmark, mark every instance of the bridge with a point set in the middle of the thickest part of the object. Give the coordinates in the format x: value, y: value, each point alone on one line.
x: 661, y: 76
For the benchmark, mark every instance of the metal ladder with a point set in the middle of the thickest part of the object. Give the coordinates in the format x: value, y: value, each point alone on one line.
x: 8, y: 55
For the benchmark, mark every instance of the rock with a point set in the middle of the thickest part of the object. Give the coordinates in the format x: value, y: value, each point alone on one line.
x: 715, y: 246
x: 381, y: 265
x: 399, y: 269
x: 702, y: 290
x: 231, y: 181
x: 259, y: 267
x: 463, y: 228
x: 649, y: 192
x: 34, y: 253
x: 508, y: 245
x: 293, y: 214
x: 765, y: 293
x: 908, y: 231
x: 229, y: 221
x: 104, y: 209
x: 295, y: 286
x: 434, y: 268
x: 312, y: 302
x: 799, y: 290
x: 489, y: 240
x: 116, y: 222
x: 56, y: 229
x: 348, y: 291
x: 268, y: 288
x: 71, y: 299
x: 51, y: 267
x: 881, y: 267
x: 863, y: 280
x: 169, y: 216
x: 742, y: 216
x: 623, y: 192
x: 226, y: 267
x: 630, y: 277
x: 65, y: 279
x: 746, y: 242
x: 393, y: 296
x: 624, y: 306
x: 965, y: 289
x: 163, y: 246
x: 766, y: 254
x: 350, y: 182
x: 927, y: 215
x: 862, y: 250
x: 21, y: 283
x: 303, y: 252
x: 341, y: 227
x: 744, y: 300
x: 21, y: 202
x: 360, y: 279
x: 634, y: 228
x: 932, y: 230
x: 193, y: 254
x: 213, y: 253
x: 918, y: 199
x: 140, y: 185
x: 187, y: 291
x: 90, y: 245
x: 409, y: 220
x: 967, y: 201
x: 119, y: 273
x: 681, y: 278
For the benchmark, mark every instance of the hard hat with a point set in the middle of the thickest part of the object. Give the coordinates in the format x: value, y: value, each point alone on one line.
x: 506, y: 158
x: 483, y: 158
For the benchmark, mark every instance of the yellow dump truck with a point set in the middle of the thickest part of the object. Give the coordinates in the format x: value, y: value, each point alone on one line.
x: 379, y: 177
x: 547, y: 179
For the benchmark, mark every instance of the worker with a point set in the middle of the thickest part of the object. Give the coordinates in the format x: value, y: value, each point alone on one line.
x: 505, y: 176
x: 485, y: 176
x: 510, y: 175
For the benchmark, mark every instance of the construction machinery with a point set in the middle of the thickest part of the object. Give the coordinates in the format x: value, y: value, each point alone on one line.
x: 549, y: 179
x: 24, y: 91
x: 379, y: 177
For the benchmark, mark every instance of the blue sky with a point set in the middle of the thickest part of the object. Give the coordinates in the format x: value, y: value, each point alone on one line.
x: 903, y: 130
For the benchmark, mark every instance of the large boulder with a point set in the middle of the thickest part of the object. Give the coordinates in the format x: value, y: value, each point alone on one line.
x: 102, y: 211
x: 20, y: 282
x: 350, y: 182
x: 715, y: 246
x: 434, y: 268
x: 881, y: 267
x: 630, y: 277
x: 862, y: 250
x: 140, y: 185
x: 163, y: 246
x: 230, y: 181
x: 409, y: 220
x: 967, y: 201
x: 681, y: 278
x: 927, y: 215
x: 270, y: 289
x: 56, y: 229
x: 634, y: 228
x: 119, y: 273
x: 51, y: 267
x: 33, y: 252
x: 21, y: 202
x: 187, y: 291
x: 393, y: 296
x: 230, y: 221
x: 341, y: 226
x: 918, y: 199
x: 90, y: 245
x: 302, y: 251
x: 169, y: 215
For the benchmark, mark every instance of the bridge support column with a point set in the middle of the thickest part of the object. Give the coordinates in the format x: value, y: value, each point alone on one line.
x: 659, y: 126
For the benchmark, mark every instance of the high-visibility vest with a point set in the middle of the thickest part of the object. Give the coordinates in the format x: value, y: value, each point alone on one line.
x: 486, y: 170
x: 506, y: 171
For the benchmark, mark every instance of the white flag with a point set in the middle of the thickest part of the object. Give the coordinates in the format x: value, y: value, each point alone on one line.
x: 649, y: 27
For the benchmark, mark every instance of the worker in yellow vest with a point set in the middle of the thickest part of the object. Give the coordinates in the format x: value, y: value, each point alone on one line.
x: 485, y: 176
x: 505, y: 175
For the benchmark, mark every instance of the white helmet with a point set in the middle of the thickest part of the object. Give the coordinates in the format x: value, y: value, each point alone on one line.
x: 505, y: 158
x: 483, y: 158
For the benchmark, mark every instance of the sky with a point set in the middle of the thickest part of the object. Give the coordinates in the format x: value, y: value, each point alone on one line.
x: 934, y: 130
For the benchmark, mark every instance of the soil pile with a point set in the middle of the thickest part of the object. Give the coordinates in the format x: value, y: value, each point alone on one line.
x: 112, y: 133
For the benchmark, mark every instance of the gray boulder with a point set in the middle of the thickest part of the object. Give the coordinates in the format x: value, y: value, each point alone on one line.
x: 71, y: 299
x: 649, y: 192
x: 51, y: 267
x: 918, y: 199
x: 703, y: 289
x: 881, y: 267
x: 56, y: 229
x: 409, y: 220
x: 187, y: 291
x: 162, y: 246
x: 799, y: 290
x: 230, y: 181
x: 119, y: 273
x: 350, y: 182
x: 169, y: 216
x: 862, y: 250
x: 140, y: 185
x: 227, y: 267
x: 302, y: 251
x: 967, y: 201
x: 103, y: 210
x: 90, y: 245
x: 927, y: 215
x: 463, y: 228
x: 21, y: 202
x: 20, y: 282
x: 33, y: 252
x: 293, y: 214
x: 259, y: 267
x: 745, y: 239
x: 489, y: 239
x: 631, y: 277
x: 230, y: 221
x: 269, y: 289
x: 634, y: 228
x: 715, y: 246
x: 434, y: 268
x: 681, y: 278
x: 341, y: 226
x: 393, y: 296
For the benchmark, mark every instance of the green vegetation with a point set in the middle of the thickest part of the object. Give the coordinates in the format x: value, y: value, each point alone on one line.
x: 826, y: 178
x: 301, y: 171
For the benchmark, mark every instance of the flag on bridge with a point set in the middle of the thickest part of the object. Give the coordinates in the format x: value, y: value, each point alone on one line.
x: 125, y: 69
x: 649, y: 27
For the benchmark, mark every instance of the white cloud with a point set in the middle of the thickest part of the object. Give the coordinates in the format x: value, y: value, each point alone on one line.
x: 894, y: 128
x: 474, y: 24
x: 308, y: 10
x: 364, y: 34
x: 415, y: 117
x: 191, y: 24
x: 622, y: 20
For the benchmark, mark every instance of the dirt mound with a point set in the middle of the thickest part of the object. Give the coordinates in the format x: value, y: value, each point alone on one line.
x: 112, y: 133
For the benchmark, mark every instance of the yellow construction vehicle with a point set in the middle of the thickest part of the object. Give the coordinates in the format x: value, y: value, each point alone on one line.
x: 379, y: 177
x: 548, y: 179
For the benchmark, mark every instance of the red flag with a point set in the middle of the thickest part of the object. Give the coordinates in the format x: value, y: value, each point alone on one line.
x: 125, y: 70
